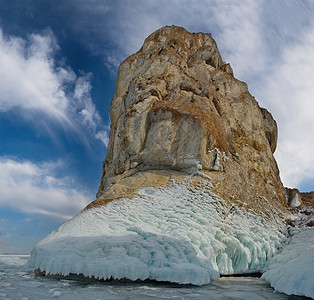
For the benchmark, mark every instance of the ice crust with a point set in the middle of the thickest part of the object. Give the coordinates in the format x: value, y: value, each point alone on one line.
x: 183, y: 233
x: 296, y: 201
x: 292, y: 270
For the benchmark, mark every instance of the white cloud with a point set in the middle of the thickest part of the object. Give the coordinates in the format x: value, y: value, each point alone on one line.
x: 236, y: 26
x: 84, y: 103
x: 289, y: 93
x: 240, y: 35
x: 34, y: 188
x: 103, y: 136
x: 87, y: 110
x: 38, y: 89
x: 28, y: 78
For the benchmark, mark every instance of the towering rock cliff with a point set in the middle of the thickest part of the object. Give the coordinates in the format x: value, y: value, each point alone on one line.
x: 178, y: 107
x: 190, y: 188
x: 308, y: 198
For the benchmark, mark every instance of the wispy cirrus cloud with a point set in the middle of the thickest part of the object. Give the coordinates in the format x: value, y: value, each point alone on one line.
x: 41, y: 91
x: 35, y: 188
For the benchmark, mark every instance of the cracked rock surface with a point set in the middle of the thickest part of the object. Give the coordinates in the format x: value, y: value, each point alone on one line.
x: 177, y: 108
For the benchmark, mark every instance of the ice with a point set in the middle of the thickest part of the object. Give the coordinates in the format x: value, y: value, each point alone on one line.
x: 134, y: 256
x: 14, y: 259
x: 292, y: 270
x: 295, y: 201
x: 183, y: 233
x: 216, y: 159
x: 14, y: 285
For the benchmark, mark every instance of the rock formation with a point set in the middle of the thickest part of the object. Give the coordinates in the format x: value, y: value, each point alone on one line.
x: 302, y: 207
x: 308, y: 198
x: 190, y: 188
x: 178, y: 107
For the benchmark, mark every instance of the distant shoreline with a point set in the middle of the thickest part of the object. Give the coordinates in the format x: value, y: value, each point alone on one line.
x: 14, y: 254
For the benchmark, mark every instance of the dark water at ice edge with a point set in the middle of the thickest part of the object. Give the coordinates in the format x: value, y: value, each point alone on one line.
x: 17, y: 282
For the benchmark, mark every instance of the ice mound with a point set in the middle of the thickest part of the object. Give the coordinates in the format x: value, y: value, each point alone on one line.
x: 133, y: 256
x: 292, y: 270
x: 181, y: 233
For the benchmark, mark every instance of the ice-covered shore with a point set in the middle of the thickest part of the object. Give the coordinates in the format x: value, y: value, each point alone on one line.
x: 292, y: 270
x: 182, y: 233
x: 18, y: 282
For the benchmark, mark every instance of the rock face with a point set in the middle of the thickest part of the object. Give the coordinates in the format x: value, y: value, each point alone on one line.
x: 308, y: 198
x: 178, y: 107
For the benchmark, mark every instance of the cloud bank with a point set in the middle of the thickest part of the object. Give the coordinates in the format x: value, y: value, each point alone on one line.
x: 289, y: 91
x: 35, y: 188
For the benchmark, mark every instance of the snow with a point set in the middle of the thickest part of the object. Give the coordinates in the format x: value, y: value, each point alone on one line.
x: 216, y: 159
x: 183, y: 234
x: 292, y: 270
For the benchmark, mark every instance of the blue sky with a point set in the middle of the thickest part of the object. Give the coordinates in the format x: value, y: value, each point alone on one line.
x: 58, y: 65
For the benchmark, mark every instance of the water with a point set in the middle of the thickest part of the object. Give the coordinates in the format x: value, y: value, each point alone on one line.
x: 17, y: 282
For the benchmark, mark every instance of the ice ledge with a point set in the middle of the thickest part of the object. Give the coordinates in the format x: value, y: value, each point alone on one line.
x: 138, y: 256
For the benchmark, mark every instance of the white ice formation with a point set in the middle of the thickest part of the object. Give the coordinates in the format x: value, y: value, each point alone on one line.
x: 292, y: 270
x: 183, y: 233
x: 296, y: 201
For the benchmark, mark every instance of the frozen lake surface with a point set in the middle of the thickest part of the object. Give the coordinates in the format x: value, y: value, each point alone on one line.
x: 18, y: 282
